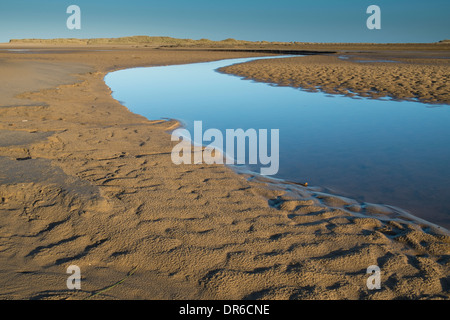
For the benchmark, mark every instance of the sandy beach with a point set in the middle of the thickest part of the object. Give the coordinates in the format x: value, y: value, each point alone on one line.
x: 83, y: 181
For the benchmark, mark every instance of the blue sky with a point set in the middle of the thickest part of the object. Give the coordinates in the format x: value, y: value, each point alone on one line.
x: 282, y: 20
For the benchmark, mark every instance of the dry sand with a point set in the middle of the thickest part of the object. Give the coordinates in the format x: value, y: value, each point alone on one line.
x: 420, y: 76
x: 84, y: 181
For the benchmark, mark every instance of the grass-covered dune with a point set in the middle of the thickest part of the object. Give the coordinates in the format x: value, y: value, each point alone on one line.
x: 231, y: 43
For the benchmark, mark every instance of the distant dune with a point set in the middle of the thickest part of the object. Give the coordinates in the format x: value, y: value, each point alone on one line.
x: 148, y: 41
x: 139, y: 40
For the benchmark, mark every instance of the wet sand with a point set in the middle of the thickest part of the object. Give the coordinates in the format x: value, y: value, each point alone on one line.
x: 84, y: 181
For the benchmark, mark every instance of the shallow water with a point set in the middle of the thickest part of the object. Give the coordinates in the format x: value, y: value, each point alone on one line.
x: 378, y: 151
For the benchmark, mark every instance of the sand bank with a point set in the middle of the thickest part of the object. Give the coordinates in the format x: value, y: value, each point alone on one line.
x: 422, y: 76
x: 84, y: 181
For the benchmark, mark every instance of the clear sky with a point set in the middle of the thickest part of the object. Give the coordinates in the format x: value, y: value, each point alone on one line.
x: 281, y: 20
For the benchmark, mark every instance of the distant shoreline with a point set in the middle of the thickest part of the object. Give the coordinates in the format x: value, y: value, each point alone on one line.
x: 169, y: 42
